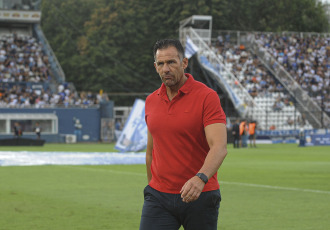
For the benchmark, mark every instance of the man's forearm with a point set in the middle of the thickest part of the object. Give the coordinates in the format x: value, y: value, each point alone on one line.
x: 216, y: 136
x: 213, y: 161
x: 148, y: 165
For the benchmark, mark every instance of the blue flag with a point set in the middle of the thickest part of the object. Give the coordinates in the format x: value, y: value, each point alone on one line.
x: 133, y: 138
x: 191, y: 48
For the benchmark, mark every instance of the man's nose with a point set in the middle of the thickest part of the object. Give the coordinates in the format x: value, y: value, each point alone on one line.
x: 166, y: 67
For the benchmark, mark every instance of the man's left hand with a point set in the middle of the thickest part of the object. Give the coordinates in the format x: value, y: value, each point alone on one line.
x: 192, y: 189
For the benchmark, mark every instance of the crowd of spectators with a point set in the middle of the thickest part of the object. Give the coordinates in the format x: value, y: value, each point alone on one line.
x: 25, y: 97
x: 247, y: 68
x: 250, y: 72
x: 307, y: 59
x: 22, y: 61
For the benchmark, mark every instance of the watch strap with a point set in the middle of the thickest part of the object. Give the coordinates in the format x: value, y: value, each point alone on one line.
x: 203, y: 177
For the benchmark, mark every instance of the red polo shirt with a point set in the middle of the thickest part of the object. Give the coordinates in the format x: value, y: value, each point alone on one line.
x: 177, y: 127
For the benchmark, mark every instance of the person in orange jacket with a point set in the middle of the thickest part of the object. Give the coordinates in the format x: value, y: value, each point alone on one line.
x: 252, y: 132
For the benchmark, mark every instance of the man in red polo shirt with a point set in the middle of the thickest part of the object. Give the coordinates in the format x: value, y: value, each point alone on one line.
x: 187, y: 142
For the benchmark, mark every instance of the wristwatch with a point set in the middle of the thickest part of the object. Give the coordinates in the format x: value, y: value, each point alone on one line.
x: 203, y: 177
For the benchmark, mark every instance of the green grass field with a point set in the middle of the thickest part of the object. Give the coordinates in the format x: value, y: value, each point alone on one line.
x: 272, y: 187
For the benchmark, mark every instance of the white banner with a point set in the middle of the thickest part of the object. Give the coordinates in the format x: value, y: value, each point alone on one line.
x: 134, y: 135
x: 24, y: 158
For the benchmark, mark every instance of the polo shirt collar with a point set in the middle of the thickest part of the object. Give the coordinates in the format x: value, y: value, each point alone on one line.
x: 186, y: 88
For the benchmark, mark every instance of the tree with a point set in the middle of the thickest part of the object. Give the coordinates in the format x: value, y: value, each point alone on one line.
x: 108, y: 44
x: 273, y: 16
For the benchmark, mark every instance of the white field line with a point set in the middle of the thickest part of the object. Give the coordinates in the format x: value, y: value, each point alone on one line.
x: 221, y: 182
x: 275, y: 187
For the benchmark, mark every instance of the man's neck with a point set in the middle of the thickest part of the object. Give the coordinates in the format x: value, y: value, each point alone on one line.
x: 174, y: 90
x: 171, y: 93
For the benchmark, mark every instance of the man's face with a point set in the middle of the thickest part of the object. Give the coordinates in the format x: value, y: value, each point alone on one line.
x: 170, y: 67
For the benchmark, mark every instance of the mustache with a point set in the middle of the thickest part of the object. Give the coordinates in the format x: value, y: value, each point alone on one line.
x: 167, y: 75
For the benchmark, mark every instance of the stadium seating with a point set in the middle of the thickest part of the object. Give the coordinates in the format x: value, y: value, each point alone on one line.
x: 262, y: 86
x: 26, y: 79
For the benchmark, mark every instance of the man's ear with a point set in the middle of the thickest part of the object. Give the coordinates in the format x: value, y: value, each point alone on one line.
x: 185, y: 63
x: 155, y: 64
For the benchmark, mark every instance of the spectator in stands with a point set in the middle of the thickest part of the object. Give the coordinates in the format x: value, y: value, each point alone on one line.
x: 302, y: 120
x: 305, y: 58
x: 278, y: 104
x: 290, y: 121
x: 254, y: 92
x: 287, y: 101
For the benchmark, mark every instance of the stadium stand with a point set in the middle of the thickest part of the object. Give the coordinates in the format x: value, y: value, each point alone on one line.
x: 30, y: 75
x: 257, y: 77
x: 26, y: 77
x: 306, y: 59
x: 268, y: 93
x: 22, y: 59
x: 33, y: 86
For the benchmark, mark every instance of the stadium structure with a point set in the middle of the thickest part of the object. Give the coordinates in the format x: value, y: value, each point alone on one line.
x: 254, y: 81
x: 224, y: 60
x: 33, y: 87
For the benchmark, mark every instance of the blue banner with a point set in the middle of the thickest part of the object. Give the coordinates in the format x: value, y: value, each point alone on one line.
x: 191, y: 48
x: 134, y: 135
x: 320, y: 139
x: 239, y: 105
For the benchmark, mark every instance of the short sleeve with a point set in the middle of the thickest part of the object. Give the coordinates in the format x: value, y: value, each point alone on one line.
x: 212, y: 111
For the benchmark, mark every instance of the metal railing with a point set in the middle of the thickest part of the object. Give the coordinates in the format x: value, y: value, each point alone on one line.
x: 241, y: 98
x: 55, y: 65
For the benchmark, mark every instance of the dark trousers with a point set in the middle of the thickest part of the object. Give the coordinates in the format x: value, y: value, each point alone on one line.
x: 236, y: 141
x: 165, y: 211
